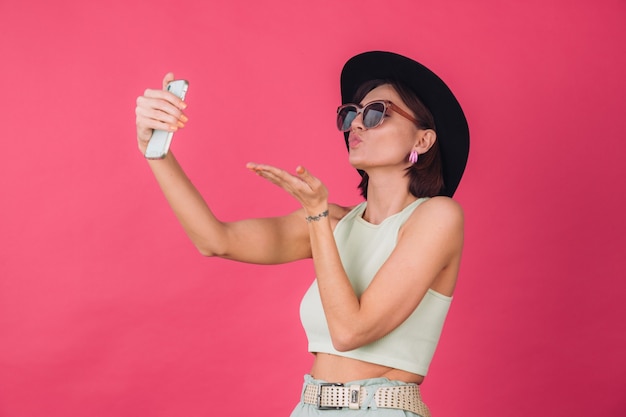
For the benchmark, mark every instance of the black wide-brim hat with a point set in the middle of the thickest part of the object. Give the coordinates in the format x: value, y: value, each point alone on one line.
x: 450, y: 122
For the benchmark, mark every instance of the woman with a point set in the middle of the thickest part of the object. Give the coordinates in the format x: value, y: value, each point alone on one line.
x: 386, y: 268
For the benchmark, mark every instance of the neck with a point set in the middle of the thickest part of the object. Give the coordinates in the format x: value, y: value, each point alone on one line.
x: 386, y: 195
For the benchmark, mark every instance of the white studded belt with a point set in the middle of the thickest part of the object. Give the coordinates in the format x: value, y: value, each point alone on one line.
x: 332, y: 396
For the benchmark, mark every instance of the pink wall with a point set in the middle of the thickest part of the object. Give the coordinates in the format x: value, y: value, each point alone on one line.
x: 107, y: 310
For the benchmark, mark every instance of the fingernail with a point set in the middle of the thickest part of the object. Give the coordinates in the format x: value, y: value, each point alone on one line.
x: 180, y: 124
x: 183, y: 105
x: 184, y: 118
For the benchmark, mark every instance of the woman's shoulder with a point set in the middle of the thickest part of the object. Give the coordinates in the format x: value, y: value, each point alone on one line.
x: 439, y: 209
x: 436, y: 223
x: 442, y: 203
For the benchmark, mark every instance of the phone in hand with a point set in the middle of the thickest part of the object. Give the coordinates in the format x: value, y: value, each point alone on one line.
x: 160, y: 141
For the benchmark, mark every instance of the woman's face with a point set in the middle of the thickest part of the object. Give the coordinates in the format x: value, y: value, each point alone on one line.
x: 387, y: 145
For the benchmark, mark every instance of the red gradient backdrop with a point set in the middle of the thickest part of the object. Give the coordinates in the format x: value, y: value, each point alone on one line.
x: 106, y: 309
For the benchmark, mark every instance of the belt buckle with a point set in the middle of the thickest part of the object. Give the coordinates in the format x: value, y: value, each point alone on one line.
x: 319, y: 395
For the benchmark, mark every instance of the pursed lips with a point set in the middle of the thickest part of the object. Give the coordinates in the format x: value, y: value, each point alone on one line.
x: 353, y: 140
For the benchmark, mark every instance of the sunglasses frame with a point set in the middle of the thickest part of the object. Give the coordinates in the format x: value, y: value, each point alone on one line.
x: 386, y: 105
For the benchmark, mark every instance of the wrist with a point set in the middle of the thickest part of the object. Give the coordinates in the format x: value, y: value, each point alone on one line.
x: 317, y: 217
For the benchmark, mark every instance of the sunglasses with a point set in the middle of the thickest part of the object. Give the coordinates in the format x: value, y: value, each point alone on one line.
x: 373, y: 114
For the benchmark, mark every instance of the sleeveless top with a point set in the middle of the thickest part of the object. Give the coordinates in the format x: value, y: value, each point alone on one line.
x: 363, y: 248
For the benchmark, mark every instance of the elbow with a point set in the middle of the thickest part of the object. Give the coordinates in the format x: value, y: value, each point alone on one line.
x: 205, y: 252
x: 342, y: 347
x: 346, y: 341
x: 209, y: 251
x: 353, y: 336
x: 210, y: 243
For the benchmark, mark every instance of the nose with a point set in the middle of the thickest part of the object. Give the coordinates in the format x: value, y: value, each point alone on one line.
x: 357, y: 122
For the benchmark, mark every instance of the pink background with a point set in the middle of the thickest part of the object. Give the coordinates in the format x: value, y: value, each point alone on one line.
x: 106, y: 309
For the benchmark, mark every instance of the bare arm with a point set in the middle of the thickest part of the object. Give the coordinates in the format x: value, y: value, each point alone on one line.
x: 266, y: 241
x: 262, y: 241
x: 427, y: 255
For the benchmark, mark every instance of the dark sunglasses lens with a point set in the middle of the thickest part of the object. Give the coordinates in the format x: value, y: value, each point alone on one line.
x: 345, y: 117
x: 373, y: 115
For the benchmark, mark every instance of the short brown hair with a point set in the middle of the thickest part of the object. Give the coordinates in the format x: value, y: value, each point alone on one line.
x: 426, y: 176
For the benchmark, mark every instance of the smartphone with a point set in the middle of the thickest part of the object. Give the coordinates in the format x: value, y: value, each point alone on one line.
x: 160, y: 141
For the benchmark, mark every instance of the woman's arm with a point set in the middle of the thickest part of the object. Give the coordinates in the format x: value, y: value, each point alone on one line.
x: 427, y: 255
x: 261, y: 241
x: 265, y: 241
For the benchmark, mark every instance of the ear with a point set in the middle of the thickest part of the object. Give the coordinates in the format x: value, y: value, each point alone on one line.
x: 425, y: 140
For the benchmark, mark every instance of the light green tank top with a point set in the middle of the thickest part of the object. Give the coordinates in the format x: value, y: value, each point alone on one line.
x: 363, y: 248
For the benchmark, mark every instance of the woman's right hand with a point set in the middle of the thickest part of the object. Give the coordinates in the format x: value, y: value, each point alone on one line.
x: 270, y: 240
x: 158, y: 109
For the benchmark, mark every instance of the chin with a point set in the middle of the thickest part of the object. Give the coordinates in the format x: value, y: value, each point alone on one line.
x: 356, y: 163
x: 357, y: 166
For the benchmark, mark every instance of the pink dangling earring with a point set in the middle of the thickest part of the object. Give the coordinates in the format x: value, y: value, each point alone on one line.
x: 413, y: 156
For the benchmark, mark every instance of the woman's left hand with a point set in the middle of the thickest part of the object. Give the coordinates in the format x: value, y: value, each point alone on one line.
x: 307, y: 189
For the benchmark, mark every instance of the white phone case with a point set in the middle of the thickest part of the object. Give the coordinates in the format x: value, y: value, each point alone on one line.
x: 160, y: 141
